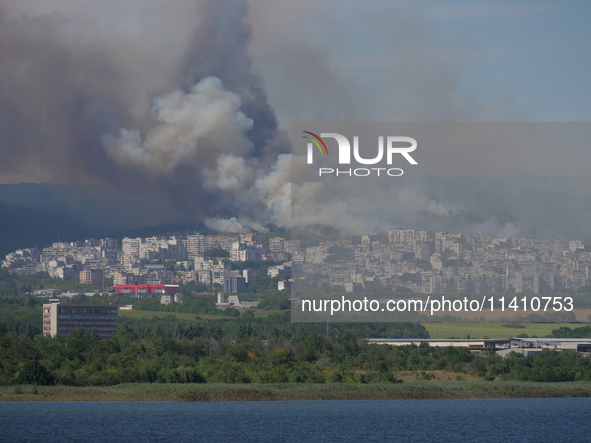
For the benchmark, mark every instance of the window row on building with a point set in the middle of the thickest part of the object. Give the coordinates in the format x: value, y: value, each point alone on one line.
x: 86, y: 311
x: 94, y: 328
x: 84, y: 317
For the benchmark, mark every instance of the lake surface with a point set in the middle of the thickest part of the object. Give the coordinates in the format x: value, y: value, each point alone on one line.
x: 488, y: 420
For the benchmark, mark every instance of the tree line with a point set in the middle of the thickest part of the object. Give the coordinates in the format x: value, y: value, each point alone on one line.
x: 208, y: 353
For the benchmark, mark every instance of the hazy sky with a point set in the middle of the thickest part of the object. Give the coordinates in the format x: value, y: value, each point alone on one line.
x: 428, y: 60
x: 192, y: 101
x: 383, y: 60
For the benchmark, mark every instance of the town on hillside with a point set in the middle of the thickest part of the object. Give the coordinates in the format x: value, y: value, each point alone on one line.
x: 404, y: 259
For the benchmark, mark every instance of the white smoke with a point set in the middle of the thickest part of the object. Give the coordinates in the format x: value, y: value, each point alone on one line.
x: 206, y: 130
x: 233, y: 225
x: 189, y: 125
x: 492, y: 228
x: 442, y: 209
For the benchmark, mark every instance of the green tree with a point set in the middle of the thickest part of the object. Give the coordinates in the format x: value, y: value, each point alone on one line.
x: 34, y: 373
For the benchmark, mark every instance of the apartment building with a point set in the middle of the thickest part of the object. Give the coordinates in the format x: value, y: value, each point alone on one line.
x: 65, y: 318
x: 92, y: 276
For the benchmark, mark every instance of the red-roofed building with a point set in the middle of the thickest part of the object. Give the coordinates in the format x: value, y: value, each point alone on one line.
x: 141, y: 289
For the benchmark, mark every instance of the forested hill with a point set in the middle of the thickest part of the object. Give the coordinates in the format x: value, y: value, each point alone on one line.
x: 35, y: 215
x: 23, y: 227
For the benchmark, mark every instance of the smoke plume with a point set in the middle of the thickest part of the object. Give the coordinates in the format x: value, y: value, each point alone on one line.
x: 130, y: 108
x: 160, y: 107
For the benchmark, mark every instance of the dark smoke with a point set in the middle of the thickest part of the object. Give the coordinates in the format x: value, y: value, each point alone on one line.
x: 219, y: 48
x: 54, y: 104
x: 60, y: 97
x: 159, y: 114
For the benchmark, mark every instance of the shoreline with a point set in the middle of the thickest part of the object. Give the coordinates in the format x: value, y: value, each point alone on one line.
x: 416, y: 390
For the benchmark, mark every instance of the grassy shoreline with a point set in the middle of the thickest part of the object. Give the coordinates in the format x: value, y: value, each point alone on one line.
x: 419, y: 390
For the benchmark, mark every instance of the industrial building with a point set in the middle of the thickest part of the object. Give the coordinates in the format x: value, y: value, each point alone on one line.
x: 529, y: 347
x: 167, y: 298
x: 533, y: 346
x: 234, y: 302
x: 476, y: 346
x: 146, y: 289
x: 65, y: 318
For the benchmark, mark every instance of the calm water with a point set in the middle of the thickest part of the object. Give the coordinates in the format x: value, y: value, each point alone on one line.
x: 510, y: 420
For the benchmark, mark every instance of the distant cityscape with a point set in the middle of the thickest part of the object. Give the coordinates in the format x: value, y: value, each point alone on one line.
x: 133, y: 262
x: 445, y: 263
x: 399, y: 259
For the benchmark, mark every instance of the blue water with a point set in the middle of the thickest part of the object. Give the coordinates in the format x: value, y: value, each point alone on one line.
x: 491, y: 420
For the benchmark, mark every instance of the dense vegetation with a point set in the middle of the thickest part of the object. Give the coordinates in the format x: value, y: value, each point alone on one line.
x: 84, y: 360
x: 240, y: 348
